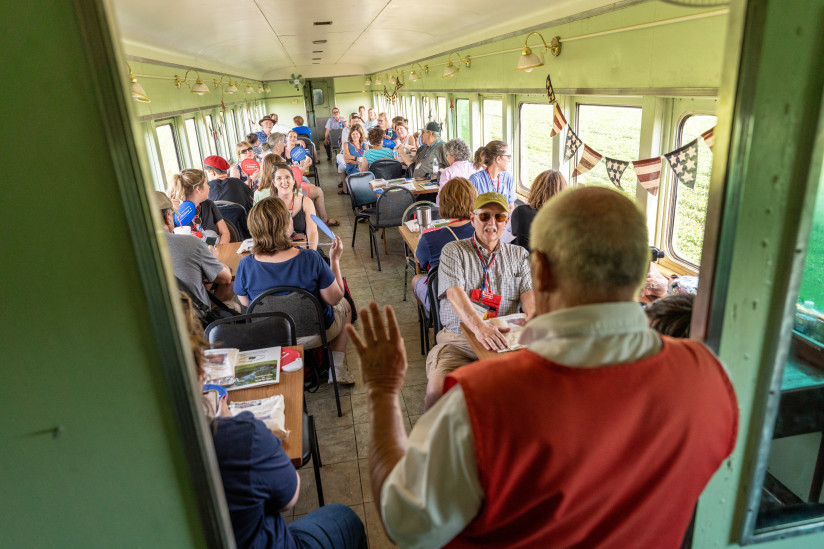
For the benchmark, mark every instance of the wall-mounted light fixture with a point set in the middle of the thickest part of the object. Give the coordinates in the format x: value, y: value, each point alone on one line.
x: 267, y: 89
x: 529, y: 60
x: 378, y: 81
x: 414, y: 76
x: 368, y: 82
x: 452, y: 70
x: 138, y: 93
x: 199, y: 87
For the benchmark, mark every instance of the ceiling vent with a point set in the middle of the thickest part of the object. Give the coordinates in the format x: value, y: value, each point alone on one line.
x: 316, y: 59
x: 317, y: 51
x: 320, y: 23
x: 318, y: 41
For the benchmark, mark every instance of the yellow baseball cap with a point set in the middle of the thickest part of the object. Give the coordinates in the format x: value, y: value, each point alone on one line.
x: 491, y: 198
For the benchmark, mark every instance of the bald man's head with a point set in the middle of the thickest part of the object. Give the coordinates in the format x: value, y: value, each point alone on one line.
x: 595, y: 242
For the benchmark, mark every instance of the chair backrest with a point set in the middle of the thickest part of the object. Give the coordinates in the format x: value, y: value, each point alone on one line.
x: 234, y: 234
x: 360, y: 192
x: 252, y: 331
x: 387, y: 169
x: 309, y: 145
x: 320, y: 125
x: 335, y: 137
x: 392, y: 203
x: 303, y: 306
x: 432, y: 293
x: 236, y: 215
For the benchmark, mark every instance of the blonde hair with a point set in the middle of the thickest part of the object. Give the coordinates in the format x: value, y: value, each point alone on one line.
x: 270, y: 225
x: 456, y: 198
x: 183, y: 184
x: 267, y: 171
x: 545, y: 186
x: 242, y: 145
x: 599, y: 261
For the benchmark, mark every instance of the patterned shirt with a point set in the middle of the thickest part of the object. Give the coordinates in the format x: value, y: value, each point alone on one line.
x: 460, y: 266
x: 382, y: 153
x: 333, y: 124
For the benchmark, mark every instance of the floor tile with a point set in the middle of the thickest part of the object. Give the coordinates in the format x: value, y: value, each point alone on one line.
x: 415, y: 375
x: 337, y: 445
x: 374, y: 529
x: 366, y: 484
x: 341, y: 484
x: 326, y: 412
x: 360, y: 408
x: 413, y: 396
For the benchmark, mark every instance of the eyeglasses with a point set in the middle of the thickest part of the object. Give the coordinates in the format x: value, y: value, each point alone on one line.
x: 506, y: 155
x: 246, y: 151
x: 500, y: 217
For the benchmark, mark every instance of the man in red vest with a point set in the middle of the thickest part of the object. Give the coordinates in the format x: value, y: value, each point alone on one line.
x: 601, y: 433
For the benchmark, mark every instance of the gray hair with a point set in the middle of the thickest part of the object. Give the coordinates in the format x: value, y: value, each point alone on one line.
x: 458, y: 149
x: 436, y: 134
x: 275, y: 139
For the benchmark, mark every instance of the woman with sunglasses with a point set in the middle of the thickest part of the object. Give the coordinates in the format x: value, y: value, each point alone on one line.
x: 245, y: 150
x: 493, y: 162
x: 192, y: 185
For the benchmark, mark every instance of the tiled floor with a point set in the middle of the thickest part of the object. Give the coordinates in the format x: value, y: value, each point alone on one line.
x: 343, y: 440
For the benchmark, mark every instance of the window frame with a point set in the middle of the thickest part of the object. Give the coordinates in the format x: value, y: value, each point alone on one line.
x: 197, y: 140
x: 520, y: 170
x: 162, y: 122
x: 482, y: 100
x: 467, y: 139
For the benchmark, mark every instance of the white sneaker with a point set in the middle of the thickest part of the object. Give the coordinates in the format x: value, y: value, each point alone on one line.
x: 343, y: 376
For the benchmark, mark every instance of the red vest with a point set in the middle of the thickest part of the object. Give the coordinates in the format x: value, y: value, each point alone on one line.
x: 614, y: 456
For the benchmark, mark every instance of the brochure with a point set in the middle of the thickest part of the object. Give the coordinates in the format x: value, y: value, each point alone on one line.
x: 257, y: 367
x: 219, y: 366
x: 515, y: 323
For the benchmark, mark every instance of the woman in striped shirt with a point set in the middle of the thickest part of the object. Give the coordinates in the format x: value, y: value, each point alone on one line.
x: 377, y: 150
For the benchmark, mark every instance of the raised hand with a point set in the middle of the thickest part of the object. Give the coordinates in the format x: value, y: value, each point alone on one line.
x: 381, y: 350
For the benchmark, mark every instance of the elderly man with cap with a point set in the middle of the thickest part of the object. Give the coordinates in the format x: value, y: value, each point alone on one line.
x: 195, y: 265
x: 223, y: 187
x: 266, y: 124
x: 480, y: 277
x: 601, y: 433
x: 431, y: 157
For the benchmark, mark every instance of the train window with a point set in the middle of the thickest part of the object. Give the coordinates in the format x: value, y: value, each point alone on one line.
x: 441, y: 112
x: 426, y: 111
x: 463, y: 121
x: 614, y: 132
x: 317, y: 97
x: 535, y: 125
x: 210, y: 129
x: 194, y: 143
x: 688, y: 207
x: 493, y: 116
x: 168, y: 151
x: 231, y: 132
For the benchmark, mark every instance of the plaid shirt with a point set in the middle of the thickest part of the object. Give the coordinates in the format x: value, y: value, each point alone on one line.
x: 460, y: 266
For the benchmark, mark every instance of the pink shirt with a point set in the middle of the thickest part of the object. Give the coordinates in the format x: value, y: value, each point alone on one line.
x: 461, y: 168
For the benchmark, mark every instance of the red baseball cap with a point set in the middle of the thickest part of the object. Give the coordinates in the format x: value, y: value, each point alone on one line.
x: 218, y: 162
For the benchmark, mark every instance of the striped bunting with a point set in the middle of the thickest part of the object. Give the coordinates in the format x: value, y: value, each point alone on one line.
x: 709, y: 137
x: 684, y: 163
x: 589, y: 158
x: 558, y: 121
x: 550, y: 93
x: 573, y: 143
x: 649, y: 173
x: 615, y: 169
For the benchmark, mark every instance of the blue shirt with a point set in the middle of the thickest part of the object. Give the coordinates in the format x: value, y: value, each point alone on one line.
x: 353, y: 151
x: 373, y: 155
x: 262, y: 137
x: 307, y: 270
x: 484, y: 184
x: 303, y: 130
x: 258, y: 480
x: 431, y: 243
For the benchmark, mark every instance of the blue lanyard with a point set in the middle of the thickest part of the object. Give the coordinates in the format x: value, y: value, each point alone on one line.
x: 485, y: 285
x: 429, y: 150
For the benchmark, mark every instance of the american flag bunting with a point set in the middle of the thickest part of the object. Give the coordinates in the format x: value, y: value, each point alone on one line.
x: 709, y: 137
x: 550, y: 93
x: 573, y: 143
x: 684, y: 162
x: 589, y: 158
x: 558, y: 121
x: 649, y: 173
x: 615, y: 169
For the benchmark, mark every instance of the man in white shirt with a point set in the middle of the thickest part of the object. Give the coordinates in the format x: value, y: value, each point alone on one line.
x: 334, y: 123
x: 584, y: 438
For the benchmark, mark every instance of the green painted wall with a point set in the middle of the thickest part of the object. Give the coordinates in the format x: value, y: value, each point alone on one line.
x: 78, y: 350
x: 350, y: 93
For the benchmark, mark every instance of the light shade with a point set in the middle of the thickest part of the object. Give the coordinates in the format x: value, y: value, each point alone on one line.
x: 260, y: 88
x: 200, y: 88
x: 378, y: 81
x: 267, y: 89
x: 450, y: 70
x: 368, y: 82
x: 413, y: 76
x: 392, y: 79
x: 528, y: 60
x: 231, y: 88
x: 249, y: 88
x: 138, y: 93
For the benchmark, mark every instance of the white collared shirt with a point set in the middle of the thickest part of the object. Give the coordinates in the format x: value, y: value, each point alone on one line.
x: 433, y: 492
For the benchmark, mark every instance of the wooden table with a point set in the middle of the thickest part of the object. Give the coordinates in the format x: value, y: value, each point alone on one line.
x: 227, y: 254
x: 291, y: 387
x: 418, y: 189
x: 479, y: 349
x: 411, y: 240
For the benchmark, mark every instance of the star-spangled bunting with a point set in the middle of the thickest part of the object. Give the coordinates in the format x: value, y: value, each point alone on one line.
x: 649, y: 173
x: 558, y: 121
x: 573, y: 143
x: 550, y: 93
x: 615, y: 169
x: 684, y: 163
x: 589, y: 158
x: 709, y: 137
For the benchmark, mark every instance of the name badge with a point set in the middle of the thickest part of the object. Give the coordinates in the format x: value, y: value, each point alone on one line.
x: 485, y: 304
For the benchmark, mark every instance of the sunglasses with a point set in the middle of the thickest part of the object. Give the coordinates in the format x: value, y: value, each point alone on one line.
x: 500, y: 217
x: 246, y: 151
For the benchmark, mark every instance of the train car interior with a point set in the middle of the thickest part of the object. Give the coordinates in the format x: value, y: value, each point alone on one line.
x: 252, y: 175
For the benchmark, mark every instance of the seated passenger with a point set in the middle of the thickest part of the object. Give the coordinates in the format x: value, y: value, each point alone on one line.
x: 254, y: 141
x: 655, y: 285
x: 191, y: 185
x: 671, y: 315
x: 195, y: 265
x: 431, y: 157
x: 245, y: 150
x: 260, y: 482
x: 291, y: 143
x: 481, y: 263
x: 267, y: 176
x: 266, y: 124
x: 353, y: 152
x: 223, y: 187
x: 457, y: 156
x: 335, y: 122
x: 493, y: 161
x: 274, y: 262
x: 277, y: 144
x: 315, y: 192
x: 300, y: 128
x: 580, y: 440
x: 340, y: 159
x: 384, y: 124
x: 377, y: 150
x: 371, y: 120
x: 458, y: 197
x: 404, y: 140
x: 281, y: 180
x: 545, y: 186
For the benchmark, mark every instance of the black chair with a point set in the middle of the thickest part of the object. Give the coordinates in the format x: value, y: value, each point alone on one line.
x: 307, y: 312
x: 309, y: 145
x: 360, y: 195
x: 335, y: 136
x: 392, y: 203
x: 431, y: 318
x: 235, y: 214
x: 387, y: 169
x: 234, y: 234
x: 411, y: 263
x: 256, y: 331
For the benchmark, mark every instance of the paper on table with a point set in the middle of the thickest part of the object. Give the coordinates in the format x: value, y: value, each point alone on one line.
x: 271, y: 411
x: 246, y: 246
x: 413, y: 226
x: 515, y: 323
